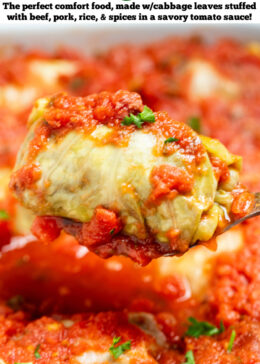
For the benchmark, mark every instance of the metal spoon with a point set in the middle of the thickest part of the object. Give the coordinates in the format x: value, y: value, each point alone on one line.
x: 253, y: 213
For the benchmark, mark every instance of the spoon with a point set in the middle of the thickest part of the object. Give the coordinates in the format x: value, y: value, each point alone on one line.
x: 253, y: 213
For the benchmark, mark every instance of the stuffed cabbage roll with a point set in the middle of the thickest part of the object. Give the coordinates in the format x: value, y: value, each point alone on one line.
x: 124, y: 179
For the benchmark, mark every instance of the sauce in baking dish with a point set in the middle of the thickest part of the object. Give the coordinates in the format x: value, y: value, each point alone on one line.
x: 63, y: 304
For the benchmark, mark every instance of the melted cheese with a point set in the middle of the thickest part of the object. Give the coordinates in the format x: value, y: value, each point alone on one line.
x: 43, y: 77
x: 94, y: 357
x: 48, y: 72
x: 137, y: 355
x: 206, y: 81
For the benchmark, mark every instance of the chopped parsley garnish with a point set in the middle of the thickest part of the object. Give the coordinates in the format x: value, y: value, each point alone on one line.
x: 4, y: 215
x: 170, y: 140
x: 194, y: 123
x: 146, y: 116
x: 221, y: 327
x: 111, y: 232
x: 198, y: 328
x: 132, y: 119
x: 189, y: 357
x: 231, y: 341
x: 76, y: 83
x: 15, y: 302
x: 37, y: 355
x: 116, y: 351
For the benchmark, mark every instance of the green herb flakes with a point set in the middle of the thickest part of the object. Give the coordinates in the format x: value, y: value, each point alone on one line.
x: 231, y: 341
x: 171, y: 140
x: 15, y: 302
x: 116, y: 351
x: 146, y: 116
x: 37, y: 355
x: 189, y: 357
x: 4, y: 215
x: 195, y: 124
x: 199, y: 328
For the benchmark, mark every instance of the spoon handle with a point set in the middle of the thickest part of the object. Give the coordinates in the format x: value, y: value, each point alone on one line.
x: 253, y: 213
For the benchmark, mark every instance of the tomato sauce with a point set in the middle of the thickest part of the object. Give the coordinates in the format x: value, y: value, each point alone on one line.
x: 64, y: 113
x: 102, y: 235
x: 42, y: 282
x: 168, y: 180
x: 25, y: 177
x: 220, y: 168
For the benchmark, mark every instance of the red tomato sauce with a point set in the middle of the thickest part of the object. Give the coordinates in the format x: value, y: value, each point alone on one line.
x: 25, y: 177
x: 102, y: 235
x: 64, y: 113
x: 220, y: 169
x: 41, y: 282
x: 169, y: 180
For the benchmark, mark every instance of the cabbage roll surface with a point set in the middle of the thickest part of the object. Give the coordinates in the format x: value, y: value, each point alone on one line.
x: 124, y: 179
